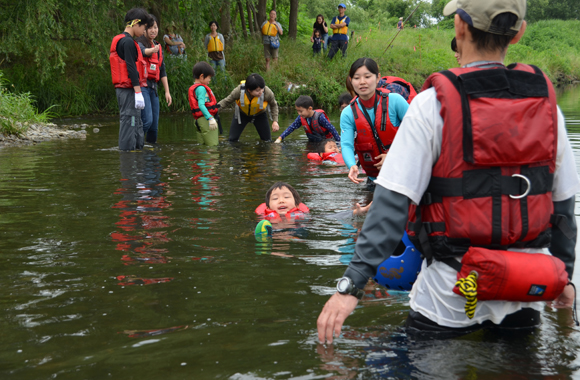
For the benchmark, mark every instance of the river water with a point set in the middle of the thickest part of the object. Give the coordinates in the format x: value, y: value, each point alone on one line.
x: 145, y: 266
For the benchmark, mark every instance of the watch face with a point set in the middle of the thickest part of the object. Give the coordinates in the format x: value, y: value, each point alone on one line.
x: 342, y: 285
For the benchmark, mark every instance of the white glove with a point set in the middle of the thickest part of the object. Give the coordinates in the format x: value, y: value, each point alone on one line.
x: 139, y: 101
x: 213, y: 125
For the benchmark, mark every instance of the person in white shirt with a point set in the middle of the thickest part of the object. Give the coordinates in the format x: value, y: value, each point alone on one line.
x: 423, y: 146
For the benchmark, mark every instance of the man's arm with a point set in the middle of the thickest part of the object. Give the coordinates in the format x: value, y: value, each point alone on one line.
x: 381, y: 234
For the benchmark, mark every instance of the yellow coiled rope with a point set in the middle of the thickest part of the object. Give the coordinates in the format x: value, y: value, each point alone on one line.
x: 468, y: 287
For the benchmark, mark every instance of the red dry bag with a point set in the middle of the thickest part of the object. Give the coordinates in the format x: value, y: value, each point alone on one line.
x: 514, y: 276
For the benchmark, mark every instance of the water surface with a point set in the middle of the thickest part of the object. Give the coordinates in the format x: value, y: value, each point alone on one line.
x: 144, y: 265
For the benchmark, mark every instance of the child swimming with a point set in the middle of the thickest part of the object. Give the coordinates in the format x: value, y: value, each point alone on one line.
x: 315, y: 122
x: 282, y: 200
x: 327, y: 152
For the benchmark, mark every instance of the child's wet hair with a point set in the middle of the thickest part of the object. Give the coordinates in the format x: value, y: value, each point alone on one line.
x: 344, y: 98
x: 279, y: 185
x: 203, y: 68
x: 304, y: 101
x: 321, y: 147
x: 138, y: 14
x: 254, y: 81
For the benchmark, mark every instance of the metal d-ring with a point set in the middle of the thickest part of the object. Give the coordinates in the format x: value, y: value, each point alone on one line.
x: 527, y: 190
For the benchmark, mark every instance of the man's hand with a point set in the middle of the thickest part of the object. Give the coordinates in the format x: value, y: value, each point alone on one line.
x: 275, y: 126
x: 333, y: 315
x: 566, y: 299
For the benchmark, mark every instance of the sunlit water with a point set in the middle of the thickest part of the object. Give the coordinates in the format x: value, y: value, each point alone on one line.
x: 145, y: 266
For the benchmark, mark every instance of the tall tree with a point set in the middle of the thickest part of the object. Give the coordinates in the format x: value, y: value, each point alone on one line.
x: 242, y: 19
x: 262, y: 13
x: 293, y: 21
x: 225, y: 21
x: 250, y: 18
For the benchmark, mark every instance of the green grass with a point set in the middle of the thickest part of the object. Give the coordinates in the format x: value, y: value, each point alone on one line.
x: 85, y: 88
x: 17, y: 110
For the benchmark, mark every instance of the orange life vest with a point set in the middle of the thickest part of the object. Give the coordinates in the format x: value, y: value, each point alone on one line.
x: 119, y: 66
x: 211, y: 106
x: 154, y: 63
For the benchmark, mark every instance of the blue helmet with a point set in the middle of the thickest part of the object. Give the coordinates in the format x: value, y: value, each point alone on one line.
x: 400, y: 271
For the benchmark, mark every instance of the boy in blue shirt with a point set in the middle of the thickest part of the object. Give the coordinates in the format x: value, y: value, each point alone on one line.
x: 315, y: 122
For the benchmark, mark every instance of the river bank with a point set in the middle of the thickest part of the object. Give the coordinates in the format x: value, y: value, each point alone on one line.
x: 34, y: 133
x: 552, y: 45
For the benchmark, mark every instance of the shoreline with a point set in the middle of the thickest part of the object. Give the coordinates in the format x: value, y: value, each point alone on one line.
x: 40, y: 132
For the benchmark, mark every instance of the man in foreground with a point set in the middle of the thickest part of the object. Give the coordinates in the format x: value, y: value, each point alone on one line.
x: 483, y: 151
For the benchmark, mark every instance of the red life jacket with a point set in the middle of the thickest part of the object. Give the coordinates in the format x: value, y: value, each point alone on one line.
x: 330, y: 156
x: 119, y: 66
x: 372, y: 140
x: 499, y: 141
x: 294, y: 214
x: 153, y: 64
x: 404, y: 83
x: 315, y: 131
x: 194, y: 105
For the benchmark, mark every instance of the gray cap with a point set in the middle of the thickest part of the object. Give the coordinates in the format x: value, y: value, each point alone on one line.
x: 480, y: 13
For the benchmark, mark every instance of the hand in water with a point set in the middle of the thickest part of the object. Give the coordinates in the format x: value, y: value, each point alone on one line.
x: 358, y: 210
x: 566, y: 299
x: 333, y: 315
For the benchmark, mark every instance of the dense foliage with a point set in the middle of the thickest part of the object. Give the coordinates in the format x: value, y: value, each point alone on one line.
x: 57, y: 50
x: 17, y: 110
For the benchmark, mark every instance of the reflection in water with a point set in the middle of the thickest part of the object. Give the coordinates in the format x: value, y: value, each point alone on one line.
x: 141, y: 210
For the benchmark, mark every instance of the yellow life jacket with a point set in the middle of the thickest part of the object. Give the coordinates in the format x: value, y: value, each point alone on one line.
x: 250, y: 108
x: 269, y: 29
x: 215, y: 44
x: 343, y: 30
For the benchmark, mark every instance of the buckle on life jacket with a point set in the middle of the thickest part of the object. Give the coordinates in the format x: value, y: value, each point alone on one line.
x: 525, y: 194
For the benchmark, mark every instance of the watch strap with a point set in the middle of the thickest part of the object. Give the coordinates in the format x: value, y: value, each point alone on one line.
x: 358, y: 293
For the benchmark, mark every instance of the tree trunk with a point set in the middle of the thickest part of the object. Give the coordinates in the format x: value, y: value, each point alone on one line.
x: 233, y: 19
x: 274, y: 4
x: 225, y: 21
x: 242, y: 20
x: 256, y: 22
x: 293, y: 27
x: 250, y: 19
x: 262, y: 16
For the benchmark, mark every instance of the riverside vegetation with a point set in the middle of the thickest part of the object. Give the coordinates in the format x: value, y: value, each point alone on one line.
x: 85, y: 87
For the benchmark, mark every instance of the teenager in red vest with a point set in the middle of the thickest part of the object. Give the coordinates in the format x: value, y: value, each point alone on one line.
x: 483, y: 151
x: 155, y: 64
x: 129, y: 76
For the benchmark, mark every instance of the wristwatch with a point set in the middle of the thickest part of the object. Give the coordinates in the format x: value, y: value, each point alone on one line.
x: 346, y: 286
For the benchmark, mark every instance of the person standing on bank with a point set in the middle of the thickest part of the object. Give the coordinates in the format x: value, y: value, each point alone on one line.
x: 270, y: 31
x: 252, y: 98
x: 129, y: 77
x: 339, y: 28
x: 214, y: 44
x: 153, y: 55
x: 400, y: 23
x: 320, y: 26
x: 433, y: 156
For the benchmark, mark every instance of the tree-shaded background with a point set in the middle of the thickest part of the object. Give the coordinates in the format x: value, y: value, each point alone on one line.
x: 58, y: 49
